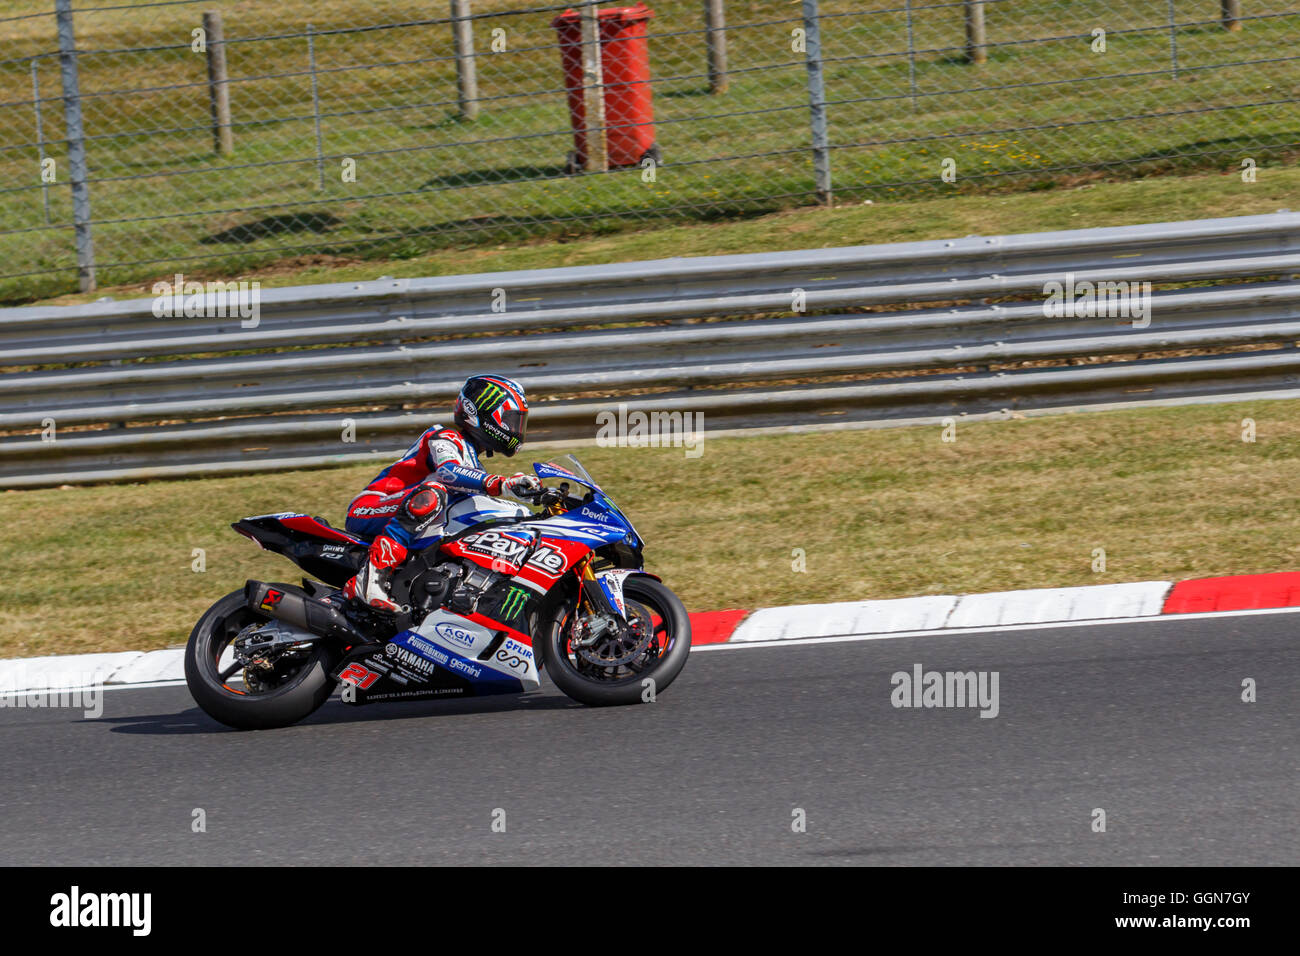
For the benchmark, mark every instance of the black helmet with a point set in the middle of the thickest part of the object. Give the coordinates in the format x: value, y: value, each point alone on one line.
x: 492, y: 412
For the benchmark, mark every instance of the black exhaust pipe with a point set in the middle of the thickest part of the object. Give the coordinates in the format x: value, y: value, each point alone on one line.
x: 299, y: 610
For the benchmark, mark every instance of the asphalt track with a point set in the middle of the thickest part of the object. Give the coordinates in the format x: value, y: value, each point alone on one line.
x: 1143, y: 719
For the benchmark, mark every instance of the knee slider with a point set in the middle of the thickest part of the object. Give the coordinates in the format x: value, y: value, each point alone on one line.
x: 425, y: 504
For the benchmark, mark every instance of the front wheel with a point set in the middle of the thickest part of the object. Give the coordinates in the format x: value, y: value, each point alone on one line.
x: 628, y: 663
x: 274, y: 694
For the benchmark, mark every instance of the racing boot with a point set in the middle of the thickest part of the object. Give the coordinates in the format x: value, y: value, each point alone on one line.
x: 370, y: 585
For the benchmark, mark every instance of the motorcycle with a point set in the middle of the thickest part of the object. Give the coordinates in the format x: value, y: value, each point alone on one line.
x: 500, y: 595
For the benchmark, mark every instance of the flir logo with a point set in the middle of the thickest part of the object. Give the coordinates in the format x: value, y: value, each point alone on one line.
x: 76, y: 909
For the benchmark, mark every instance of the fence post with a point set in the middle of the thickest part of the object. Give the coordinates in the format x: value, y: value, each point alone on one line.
x: 1231, y: 10
x: 911, y: 52
x: 715, y: 21
x: 593, y: 89
x: 40, y: 139
x: 817, y: 101
x: 975, y: 49
x: 462, y: 31
x: 78, y: 172
x: 315, y: 105
x: 218, y: 83
x: 1173, y: 39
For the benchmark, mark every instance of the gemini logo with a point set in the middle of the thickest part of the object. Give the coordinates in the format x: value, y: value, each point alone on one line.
x: 514, y: 602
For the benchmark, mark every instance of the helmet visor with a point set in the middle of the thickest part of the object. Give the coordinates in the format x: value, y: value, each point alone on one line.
x: 515, y: 422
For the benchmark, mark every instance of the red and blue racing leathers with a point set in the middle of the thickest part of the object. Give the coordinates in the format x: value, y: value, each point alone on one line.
x: 439, y: 463
x: 410, y: 497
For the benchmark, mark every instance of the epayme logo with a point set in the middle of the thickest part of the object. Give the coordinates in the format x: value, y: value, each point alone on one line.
x: 74, y: 909
x: 946, y: 689
x: 213, y: 300
x: 638, y: 429
x: 1098, y: 300
x: 89, y: 697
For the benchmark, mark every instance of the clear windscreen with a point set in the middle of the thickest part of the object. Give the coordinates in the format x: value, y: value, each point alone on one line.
x: 572, y: 464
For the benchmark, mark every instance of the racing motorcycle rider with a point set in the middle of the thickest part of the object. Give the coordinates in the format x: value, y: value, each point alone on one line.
x: 408, y: 499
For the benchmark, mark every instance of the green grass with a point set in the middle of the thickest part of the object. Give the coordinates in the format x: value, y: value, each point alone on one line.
x: 1168, y: 493
x: 422, y: 185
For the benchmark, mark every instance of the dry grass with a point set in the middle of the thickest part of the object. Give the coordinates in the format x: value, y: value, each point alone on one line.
x: 1169, y: 493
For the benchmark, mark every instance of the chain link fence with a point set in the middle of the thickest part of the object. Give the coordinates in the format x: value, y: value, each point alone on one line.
x: 215, y: 136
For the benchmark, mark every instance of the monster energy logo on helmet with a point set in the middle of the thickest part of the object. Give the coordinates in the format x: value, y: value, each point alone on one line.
x: 514, y: 602
x: 493, y: 412
x: 488, y: 398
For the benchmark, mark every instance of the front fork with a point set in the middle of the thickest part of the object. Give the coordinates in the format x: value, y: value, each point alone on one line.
x: 595, y: 612
x: 601, y: 604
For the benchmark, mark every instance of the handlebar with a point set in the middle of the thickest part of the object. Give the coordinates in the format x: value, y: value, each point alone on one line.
x: 548, y: 497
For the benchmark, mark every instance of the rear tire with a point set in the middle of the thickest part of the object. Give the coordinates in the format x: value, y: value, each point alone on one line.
x: 642, y: 589
x: 302, y: 695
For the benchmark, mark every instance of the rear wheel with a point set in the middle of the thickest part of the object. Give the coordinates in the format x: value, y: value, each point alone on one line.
x: 629, y: 663
x: 275, y: 694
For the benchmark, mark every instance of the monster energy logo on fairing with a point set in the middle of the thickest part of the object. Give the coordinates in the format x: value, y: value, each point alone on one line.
x: 514, y: 602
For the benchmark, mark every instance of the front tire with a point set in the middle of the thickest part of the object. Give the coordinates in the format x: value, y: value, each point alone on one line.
x: 619, y: 686
x: 301, y: 694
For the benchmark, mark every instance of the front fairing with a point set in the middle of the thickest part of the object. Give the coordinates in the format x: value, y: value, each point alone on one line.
x: 597, y: 507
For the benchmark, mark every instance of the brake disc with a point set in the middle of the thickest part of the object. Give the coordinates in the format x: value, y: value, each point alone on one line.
x: 623, y: 645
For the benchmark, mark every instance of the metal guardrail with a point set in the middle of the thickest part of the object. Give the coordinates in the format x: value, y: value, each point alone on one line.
x: 147, y: 396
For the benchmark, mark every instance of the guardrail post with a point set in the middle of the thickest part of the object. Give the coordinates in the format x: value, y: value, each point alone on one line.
x: 715, y: 20
x: 462, y: 31
x: 78, y: 171
x: 218, y: 83
x: 975, y: 40
x: 1231, y: 14
x: 817, y: 101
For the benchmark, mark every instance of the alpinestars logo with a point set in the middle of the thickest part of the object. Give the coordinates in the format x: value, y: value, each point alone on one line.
x: 387, y: 554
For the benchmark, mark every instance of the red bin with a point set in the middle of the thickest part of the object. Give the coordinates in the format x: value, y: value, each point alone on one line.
x: 625, y: 69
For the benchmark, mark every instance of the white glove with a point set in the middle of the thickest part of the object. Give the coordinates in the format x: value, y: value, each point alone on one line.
x: 517, y: 486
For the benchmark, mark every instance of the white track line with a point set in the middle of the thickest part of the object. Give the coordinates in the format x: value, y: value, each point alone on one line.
x: 830, y: 639
x: 991, y: 629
